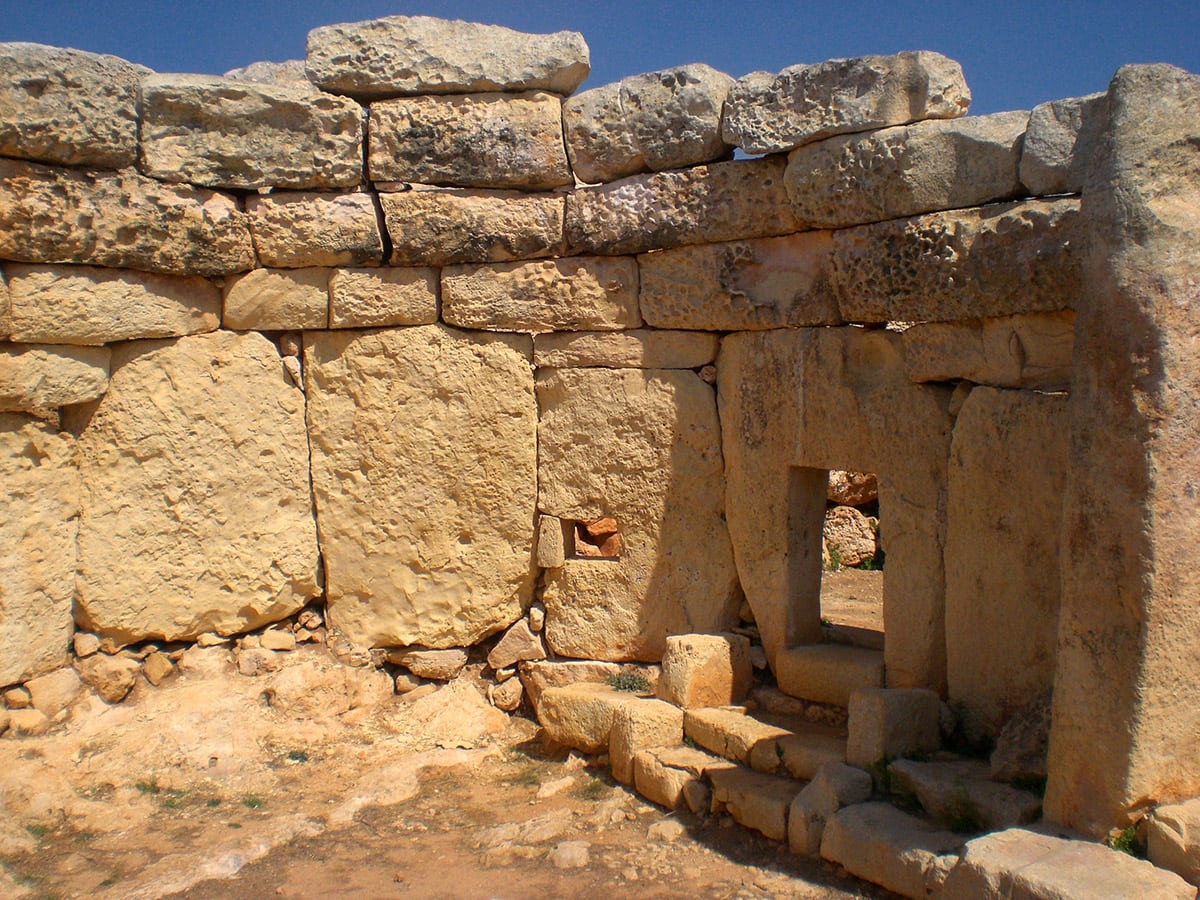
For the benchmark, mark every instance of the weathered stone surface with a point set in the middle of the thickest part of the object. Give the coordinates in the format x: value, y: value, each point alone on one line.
x: 705, y: 670
x: 112, y: 677
x: 38, y: 520
x: 1023, y: 863
x: 581, y: 715
x: 551, y: 544
x: 653, y: 464
x: 906, y: 170
x: 119, y: 219
x: 897, y: 851
x: 741, y: 286
x: 55, y: 691
x: 961, y: 796
x: 964, y: 264
x: 519, y: 643
x: 1020, y: 753
x: 641, y: 725
x: 92, y: 305
x: 655, y: 121
x: 444, y: 557
x: 633, y: 349
x: 1126, y: 702
x: 85, y: 644
x: 803, y: 753
x: 828, y: 673
x: 1173, y: 839
x: 365, y: 298
x: 277, y: 300
x: 37, y: 377
x: 674, y: 776
x: 423, y: 55
x: 68, y: 106
x: 719, y: 202
x: 440, y: 665
x: 754, y: 800
x: 888, y: 723
x: 28, y: 722
x: 223, y: 462
x: 5, y: 308
x: 434, y: 228
x: 238, y: 134
x: 833, y: 786
x: 850, y: 537
x: 268, y: 72
x: 852, y: 488
x: 773, y: 113
x: 507, y: 695
x: 576, y: 294
x: 158, y: 667
x: 1004, y: 517
x: 538, y: 675
x: 294, y: 229
x: 470, y: 140
x: 1061, y: 139
x: 732, y: 734
x: 1021, y: 351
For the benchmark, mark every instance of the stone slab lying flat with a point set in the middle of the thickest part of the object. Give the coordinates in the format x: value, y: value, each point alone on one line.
x: 732, y: 734
x: 641, y: 348
x: 675, y: 776
x: 303, y: 228
x: 774, y: 113
x: 400, y: 55
x: 37, y: 377
x: 581, y: 715
x: 538, y: 675
x: 805, y: 751
x: 1063, y: 135
x: 754, y: 799
x: 963, y: 796
x: 828, y: 673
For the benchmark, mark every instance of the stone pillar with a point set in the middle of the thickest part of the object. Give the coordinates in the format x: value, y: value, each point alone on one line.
x: 1127, y: 693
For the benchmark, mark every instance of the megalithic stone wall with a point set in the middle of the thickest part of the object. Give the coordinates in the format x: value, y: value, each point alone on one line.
x: 408, y: 330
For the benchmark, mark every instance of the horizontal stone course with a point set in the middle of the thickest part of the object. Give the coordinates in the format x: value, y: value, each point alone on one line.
x: 295, y: 229
x: 368, y: 298
x: 277, y: 300
x: 641, y: 348
x: 37, y: 377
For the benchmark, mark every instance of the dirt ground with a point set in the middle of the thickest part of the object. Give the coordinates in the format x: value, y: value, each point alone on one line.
x: 316, y: 781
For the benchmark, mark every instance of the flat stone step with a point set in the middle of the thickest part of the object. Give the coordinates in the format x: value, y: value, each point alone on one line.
x: 770, y: 744
x: 754, y: 799
x: 675, y: 776
x: 853, y: 636
x: 828, y: 673
x: 962, y: 796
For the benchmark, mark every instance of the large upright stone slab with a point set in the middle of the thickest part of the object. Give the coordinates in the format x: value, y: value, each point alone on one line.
x: 1059, y: 144
x: 303, y: 228
x: 720, y: 202
x: 195, y: 518
x: 1126, y: 690
x: 907, y: 170
x: 773, y: 113
x: 38, y: 377
x: 94, y: 305
x: 641, y: 447
x: 424, y: 473
x: 400, y: 55
x: 39, y: 510
x: 68, y: 106
x: 220, y: 133
x: 119, y: 219
x: 470, y: 140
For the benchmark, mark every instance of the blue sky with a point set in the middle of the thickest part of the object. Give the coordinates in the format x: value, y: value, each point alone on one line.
x: 1015, y: 54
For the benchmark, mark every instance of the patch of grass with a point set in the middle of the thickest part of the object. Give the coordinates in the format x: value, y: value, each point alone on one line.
x: 835, y: 559
x: 592, y: 789
x: 85, y: 837
x: 1127, y: 841
x: 528, y: 777
x: 38, y: 831
x: 688, y: 741
x: 875, y: 563
x: 297, y: 756
x: 630, y: 682
x: 212, y: 802
x: 148, y: 786
x: 28, y: 880
x: 109, y: 881
x: 252, y: 802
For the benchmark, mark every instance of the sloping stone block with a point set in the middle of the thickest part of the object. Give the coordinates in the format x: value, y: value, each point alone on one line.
x: 705, y: 670
x: 119, y: 219
x: 222, y: 463
x: 755, y: 800
x: 470, y: 140
x: 833, y: 786
x: 425, y: 541
x: 237, y: 134
x: 886, y: 723
x: 92, y: 305
x: 581, y: 715
x: 733, y: 734
x: 37, y: 377
x: 773, y: 113
x: 1173, y: 839
x: 423, y: 55
x: 576, y: 294
x: 633, y: 349
x: 367, y: 298
x: 675, y: 776
x: 277, y: 300
x: 906, y: 170
x: 641, y: 725
x: 434, y: 228
x: 741, y: 286
x: 267, y: 72
x: 719, y: 202
x: 804, y: 752
x: 652, y: 462
x: 294, y: 229
x: 39, y: 518
x: 961, y: 796
x: 1061, y: 138
x: 519, y: 643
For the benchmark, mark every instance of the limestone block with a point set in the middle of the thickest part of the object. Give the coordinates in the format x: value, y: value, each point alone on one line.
x: 238, y: 134
x: 774, y: 113
x: 892, y: 849
x: 732, y: 734
x: 581, y: 715
x: 36, y: 377
x: 1022, y: 351
x: 659, y: 120
x: 906, y: 170
x: 833, y: 786
x: 55, y: 691
x: 805, y: 752
x: 1008, y: 470
x: 1061, y: 138
x: 538, y: 675
x: 705, y: 670
x: 850, y: 537
x: 222, y: 463
x: 896, y: 722
x: 642, y: 724
x: 423, y: 55
x: 277, y: 300
x: 266, y: 72
x: 112, y: 677
x: 119, y: 219
x: 853, y: 488
x: 719, y: 202
x: 92, y: 305
x: 439, y: 665
x: 470, y: 140
x: 652, y: 462
x: 660, y: 783
x: 28, y: 722
x: 158, y: 667
x: 366, y: 298
x: 633, y: 349
x: 1020, y: 753
x: 551, y: 549
x: 519, y: 643
x: 966, y: 264
x: 434, y: 228
x: 1024, y: 863
x: 298, y: 228
x: 828, y: 673
x: 68, y: 106
x: 577, y: 294
x: 5, y: 308
x: 443, y: 557
x: 754, y: 799
x: 741, y: 285
x: 1126, y: 704
x: 39, y: 511
x: 1173, y: 839
x: 962, y: 796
